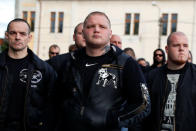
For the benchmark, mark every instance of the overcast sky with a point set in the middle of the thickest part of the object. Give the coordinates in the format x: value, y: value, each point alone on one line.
x: 6, y: 14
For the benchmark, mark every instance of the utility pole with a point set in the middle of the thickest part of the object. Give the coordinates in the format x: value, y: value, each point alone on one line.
x: 160, y: 23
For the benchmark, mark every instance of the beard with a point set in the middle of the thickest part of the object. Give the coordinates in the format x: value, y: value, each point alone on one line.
x: 156, y: 62
x: 180, y: 61
x: 17, y: 49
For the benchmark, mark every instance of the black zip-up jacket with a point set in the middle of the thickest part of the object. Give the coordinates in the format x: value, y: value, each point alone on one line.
x: 107, y: 108
x: 185, y: 110
x: 40, y: 79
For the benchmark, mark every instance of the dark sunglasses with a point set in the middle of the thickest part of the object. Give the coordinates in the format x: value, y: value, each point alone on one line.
x: 54, y: 53
x: 158, y: 55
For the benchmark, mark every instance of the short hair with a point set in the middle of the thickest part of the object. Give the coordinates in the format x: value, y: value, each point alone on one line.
x: 18, y: 20
x: 191, y: 55
x: 72, y: 47
x: 129, y: 49
x: 141, y: 59
x: 97, y: 13
x: 174, y: 33
x: 53, y: 46
x: 76, y: 28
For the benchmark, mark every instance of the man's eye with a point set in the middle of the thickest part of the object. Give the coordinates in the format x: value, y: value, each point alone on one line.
x: 23, y: 33
x: 103, y: 27
x: 90, y: 26
x: 12, y: 32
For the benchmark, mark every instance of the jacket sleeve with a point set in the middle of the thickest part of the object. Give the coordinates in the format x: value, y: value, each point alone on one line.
x: 137, y: 101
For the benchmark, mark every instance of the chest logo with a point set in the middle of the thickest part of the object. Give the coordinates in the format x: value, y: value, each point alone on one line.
x: 87, y: 65
x: 36, y: 77
x: 106, y: 78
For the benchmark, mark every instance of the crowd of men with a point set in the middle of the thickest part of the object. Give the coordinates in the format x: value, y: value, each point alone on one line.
x: 97, y: 86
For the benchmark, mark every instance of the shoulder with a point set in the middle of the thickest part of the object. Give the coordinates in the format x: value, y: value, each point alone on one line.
x: 58, y: 61
x: 156, y: 72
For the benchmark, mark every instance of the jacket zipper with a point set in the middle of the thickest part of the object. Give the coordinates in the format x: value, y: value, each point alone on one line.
x: 25, y: 102
x: 82, y: 110
x: 4, y: 88
x: 164, y: 100
x: 175, y: 107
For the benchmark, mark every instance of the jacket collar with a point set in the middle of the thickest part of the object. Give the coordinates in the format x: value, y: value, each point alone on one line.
x: 116, y: 51
x: 33, y: 59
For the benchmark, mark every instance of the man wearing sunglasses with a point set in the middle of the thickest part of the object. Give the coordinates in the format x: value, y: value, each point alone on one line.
x: 158, y: 59
x: 53, y: 50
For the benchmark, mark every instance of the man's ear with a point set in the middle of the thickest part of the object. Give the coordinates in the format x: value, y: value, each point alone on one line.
x: 166, y: 49
x: 74, y: 37
x: 6, y: 35
x: 30, y: 37
x: 110, y: 33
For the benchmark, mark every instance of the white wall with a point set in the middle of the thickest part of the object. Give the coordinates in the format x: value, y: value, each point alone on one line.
x: 144, y: 44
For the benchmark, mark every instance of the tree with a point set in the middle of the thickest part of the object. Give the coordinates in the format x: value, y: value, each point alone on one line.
x: 4, y: 45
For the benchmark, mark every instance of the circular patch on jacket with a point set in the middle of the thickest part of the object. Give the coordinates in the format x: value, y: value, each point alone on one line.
x: 23, y: 75
x: 36, y: 77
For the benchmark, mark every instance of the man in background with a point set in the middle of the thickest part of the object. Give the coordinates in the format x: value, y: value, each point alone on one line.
x: 78, y: 36
x: 129, y: 51
x: 158, y: 59
x: 53, y: 50
x: 116, y: 40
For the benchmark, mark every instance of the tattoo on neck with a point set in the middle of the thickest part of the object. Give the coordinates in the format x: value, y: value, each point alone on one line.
x: 106, y: 49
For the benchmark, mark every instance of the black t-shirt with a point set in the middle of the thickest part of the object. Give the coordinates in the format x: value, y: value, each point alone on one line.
x: 17, y: 78
x: 89, y: 65
x: 132, y: 75
x: 174, y: 77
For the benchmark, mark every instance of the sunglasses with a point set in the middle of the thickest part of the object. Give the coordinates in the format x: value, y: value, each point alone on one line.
x: 54, y: 53
x: 160, y: 55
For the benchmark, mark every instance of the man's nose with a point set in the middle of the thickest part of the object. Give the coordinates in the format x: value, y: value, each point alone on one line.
x: 97, y: 28
x: 181, y: 47
x: 17, y: 36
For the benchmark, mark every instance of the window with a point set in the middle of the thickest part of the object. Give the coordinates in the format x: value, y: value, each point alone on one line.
x: 174, y: 22
x: 25, y: 15
x: 60, y: 27
x: 164, y: 24
x: 136, y: 24
x: 52, y: 20
x: 32, y: 20
x: 127, y: 23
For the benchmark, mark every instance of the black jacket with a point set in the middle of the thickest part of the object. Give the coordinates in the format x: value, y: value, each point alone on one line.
x: 107, y: 108
x: 159, y: 88
x: 40, y: 79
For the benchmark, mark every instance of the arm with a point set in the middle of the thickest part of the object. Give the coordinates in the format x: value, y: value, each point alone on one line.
x: 137, y: 104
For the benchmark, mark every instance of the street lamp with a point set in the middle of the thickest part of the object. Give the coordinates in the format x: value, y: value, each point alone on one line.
x: 159, y: 21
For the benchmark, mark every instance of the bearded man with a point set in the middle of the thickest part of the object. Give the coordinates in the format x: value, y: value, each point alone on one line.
x: 173, y: 90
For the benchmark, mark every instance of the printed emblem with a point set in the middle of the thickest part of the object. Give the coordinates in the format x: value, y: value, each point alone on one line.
x: 106, y: 78
x: 36, y: 77
x: 90, y: 64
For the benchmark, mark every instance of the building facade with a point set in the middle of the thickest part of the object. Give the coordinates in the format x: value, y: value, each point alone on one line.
x: 142, y: 24
x: 26, y: 9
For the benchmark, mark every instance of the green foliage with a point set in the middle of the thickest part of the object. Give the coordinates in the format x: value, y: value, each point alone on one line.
x: 4, y: 45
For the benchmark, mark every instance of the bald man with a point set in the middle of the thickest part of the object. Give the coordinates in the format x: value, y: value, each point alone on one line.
x: 116, y: 40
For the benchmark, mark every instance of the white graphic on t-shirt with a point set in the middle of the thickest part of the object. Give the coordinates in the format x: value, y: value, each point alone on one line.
x: 106, y: 78
x: 87, y: 65
x: 169, y: 112
x: 36, y: 77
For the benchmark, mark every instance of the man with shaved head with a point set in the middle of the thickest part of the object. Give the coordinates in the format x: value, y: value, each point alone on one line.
x: 173, y: 89
x: 116, y: 40
x: 99, y: 88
